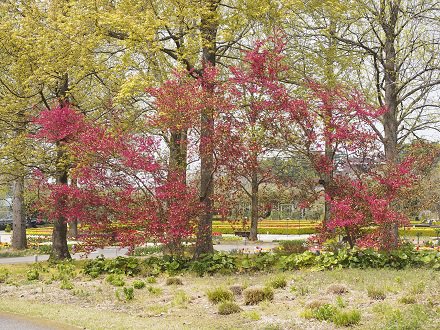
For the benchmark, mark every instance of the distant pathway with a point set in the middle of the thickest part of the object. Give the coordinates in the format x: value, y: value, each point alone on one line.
x: 108, y: 253
x: 266, y: 242
x: 18, y: 322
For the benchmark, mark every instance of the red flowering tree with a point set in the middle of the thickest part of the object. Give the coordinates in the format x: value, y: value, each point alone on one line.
x: 58, y: 128
x: 362, y: 191
x: 123, y: 194
x: 247, y: 131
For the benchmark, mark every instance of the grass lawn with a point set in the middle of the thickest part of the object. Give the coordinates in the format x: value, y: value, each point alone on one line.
x: 384, y: 299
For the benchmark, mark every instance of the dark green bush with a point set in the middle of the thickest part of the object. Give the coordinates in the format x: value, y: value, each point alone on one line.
x: 258, y: 262
x: 222, y: 263
x: 214, y: 263
x: 120, y: 265
x: 404, y: 257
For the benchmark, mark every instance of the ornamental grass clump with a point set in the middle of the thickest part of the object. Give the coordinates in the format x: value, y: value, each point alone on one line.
x: 237, y: 290
x: 228, y: 307
x: 138, y: 284
x: 346, y: 318
x: 115, y: 279
x: 376, y: 293
x: 253, y: 296
x: 174, y: 281
x: 218, y: 295
x: 337, y: 289
x: 278, y: 282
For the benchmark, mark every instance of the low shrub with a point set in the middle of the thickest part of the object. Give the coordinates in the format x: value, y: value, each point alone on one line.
x: 146, y: 250
x: 180, y: 299
x: 294, y: 246
x: 340, y: 302
x: 315, y: 304
x: 253, y: 296
x: 376, y: 293
x: 278, y: 282
x: 418, y: 288
x: 173, y: 281
x: 3, y: 275
x: 8, y: 228
x: 115, y: 279
x: 66, y: 284
x: 337, y: 289
x: 407, y: 300
x: 32, y: 274
x: 300, y: 290
x: 346, y: 318
x: 120, y: 265
x: 228, y: 307
x: 138, y: 284
x: 251, y: 315
x: 404, y: 257
x: 237, y: 290
x: 128, y: 293
x: 214, y: 263
x: 324, y: 313
x: 258, y: 262
x: 151, y: 280
x: 218, y: 295
x: 154, y: 291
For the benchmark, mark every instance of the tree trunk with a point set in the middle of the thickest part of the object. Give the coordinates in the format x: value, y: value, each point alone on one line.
x: 178, y: 155
x: 177, y: 165
x: 330, y: 80
x: 208, y: 29
x: 73, y: 225
x: 254, y: 208
x: 18, y: 216
x: 327, y: 179
x: 73, y: 229
x: 390, y: 122
x: 60, y: 250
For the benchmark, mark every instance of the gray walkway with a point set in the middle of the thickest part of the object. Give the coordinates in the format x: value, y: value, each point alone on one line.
x: 18, y: 322
x: 109, y: 252
x: 266, y: 243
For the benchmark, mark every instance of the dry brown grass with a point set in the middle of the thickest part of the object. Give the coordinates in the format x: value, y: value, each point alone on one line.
x: 94, y: 304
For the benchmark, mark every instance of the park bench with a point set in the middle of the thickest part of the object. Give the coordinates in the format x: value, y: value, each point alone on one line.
x: 242, y: 233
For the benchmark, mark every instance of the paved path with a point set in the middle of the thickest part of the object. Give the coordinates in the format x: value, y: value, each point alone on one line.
x: 109, y: 252
x: 266, y: 242
x: 18, y: 322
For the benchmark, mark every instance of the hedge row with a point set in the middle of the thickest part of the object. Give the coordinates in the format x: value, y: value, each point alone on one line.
x: 405, y: 257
